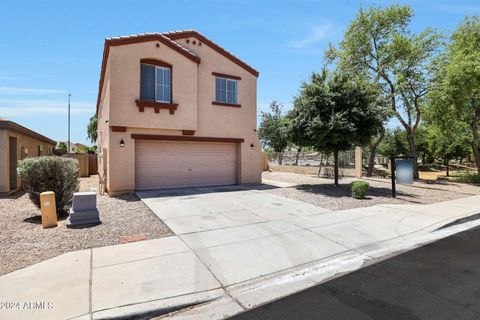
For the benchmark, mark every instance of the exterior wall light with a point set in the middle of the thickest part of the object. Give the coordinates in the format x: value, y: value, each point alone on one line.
x: 122, y: 143
x: 252, y: 146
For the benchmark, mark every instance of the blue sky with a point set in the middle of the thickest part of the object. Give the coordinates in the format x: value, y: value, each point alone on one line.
x: 50, y: 48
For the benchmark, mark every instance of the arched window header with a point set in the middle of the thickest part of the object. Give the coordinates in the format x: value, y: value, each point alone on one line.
x: 156, y: 63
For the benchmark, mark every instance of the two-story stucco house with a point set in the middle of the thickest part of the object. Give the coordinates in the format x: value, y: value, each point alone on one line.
x: 175, y: 110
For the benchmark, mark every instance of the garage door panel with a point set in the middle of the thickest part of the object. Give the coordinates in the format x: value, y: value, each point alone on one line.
x: 161, y: 164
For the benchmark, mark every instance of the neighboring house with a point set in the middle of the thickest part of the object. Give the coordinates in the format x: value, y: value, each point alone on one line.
x: 175, y: 110
x: 17, y: 143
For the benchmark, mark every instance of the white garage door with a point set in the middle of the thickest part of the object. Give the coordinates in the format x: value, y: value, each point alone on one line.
x: 165, y: 164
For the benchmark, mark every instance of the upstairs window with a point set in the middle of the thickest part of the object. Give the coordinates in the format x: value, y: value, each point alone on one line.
x: 226, y: 90
x: 156, y: 83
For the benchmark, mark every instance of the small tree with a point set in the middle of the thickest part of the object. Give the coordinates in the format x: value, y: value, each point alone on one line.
x: 62, y: 146
x: 92, y: 132
x: 57, y: 174
x: 273, y: 130
x: 394, y: 144
x: 335, y: 112
x: 448, y: 144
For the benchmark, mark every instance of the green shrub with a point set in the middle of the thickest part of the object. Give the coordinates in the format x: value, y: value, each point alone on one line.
x: 382, y: 173
x: 359, y: 189
x: 56, y: 174
x: 467, y: 177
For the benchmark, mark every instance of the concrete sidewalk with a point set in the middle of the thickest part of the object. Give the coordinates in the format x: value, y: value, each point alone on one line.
x: 224, y: 261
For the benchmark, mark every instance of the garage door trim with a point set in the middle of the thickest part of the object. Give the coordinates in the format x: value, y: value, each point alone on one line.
x: 181, y: 164
x: 184, y: 138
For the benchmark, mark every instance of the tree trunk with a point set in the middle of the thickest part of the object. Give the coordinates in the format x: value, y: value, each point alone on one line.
x: 476, y: 154
x: 373, y: 150
x: 280, y: 158
x: 413, y: 153
x: 335, y: 157
x: 297, y: 156
x: 446, y: 161
x: 320, y: 165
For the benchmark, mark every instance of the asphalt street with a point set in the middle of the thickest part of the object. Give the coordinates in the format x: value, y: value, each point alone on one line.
x: 437, y: 281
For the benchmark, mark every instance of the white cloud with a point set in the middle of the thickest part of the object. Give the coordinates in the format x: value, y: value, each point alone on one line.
x: 460, y: 9
x: 4, y: 76
x: 317, y: 33
x: 15, y: 90
x: 21, y: 108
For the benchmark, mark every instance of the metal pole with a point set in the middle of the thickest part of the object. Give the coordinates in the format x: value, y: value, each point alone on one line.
x: 69, y: 149
x: 392, y: 171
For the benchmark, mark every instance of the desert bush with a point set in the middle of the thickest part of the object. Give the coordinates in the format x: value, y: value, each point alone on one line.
x: 359, y: 189
x: 56, y: 174
x: 467, y: 177
x: 382, y: 173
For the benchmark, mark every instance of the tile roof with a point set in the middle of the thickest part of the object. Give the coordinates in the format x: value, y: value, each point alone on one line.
x: 10, y: 125
x: 167, y: 38
x: 142, y: 37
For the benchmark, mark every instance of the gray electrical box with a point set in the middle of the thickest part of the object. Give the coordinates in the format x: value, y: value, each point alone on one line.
x: 84, y: 210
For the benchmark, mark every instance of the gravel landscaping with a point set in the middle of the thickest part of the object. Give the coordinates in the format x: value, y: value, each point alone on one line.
x: 321, y: 191
x: 24, y: 242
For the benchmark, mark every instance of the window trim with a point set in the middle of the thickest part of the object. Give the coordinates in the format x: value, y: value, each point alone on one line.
x: 157, y: 64
x: 226, y: 77
x: 223, y: 75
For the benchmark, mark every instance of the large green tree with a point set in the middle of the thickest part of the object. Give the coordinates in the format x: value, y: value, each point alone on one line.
x: 457, y: 97
x: 334, y: 112
x: 274, y: 129
x: 92, y: 129
x: 380, y: 44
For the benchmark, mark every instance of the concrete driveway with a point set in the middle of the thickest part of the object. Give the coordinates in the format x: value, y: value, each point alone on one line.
x: 193, y: 210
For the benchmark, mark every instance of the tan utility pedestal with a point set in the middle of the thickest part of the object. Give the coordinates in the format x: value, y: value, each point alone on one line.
x: 49, y: 209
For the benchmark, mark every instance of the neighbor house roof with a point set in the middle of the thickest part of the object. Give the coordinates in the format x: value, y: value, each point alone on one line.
x: 167, y: 38
x: 10, y: 125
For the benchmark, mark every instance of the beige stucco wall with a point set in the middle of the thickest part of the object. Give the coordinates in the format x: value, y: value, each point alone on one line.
x: 193, y: 90
x: 103, y: 136
x: 125, y: 88
x: 23, y: 141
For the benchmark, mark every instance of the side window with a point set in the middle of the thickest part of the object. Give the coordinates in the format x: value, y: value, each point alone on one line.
x: 40, y: 150
x: 226, y: 90
x: 220, y: 89
x: 147, y: 84
x: 231, y: 91
x: 155, y: 83
x: 163, y: 84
